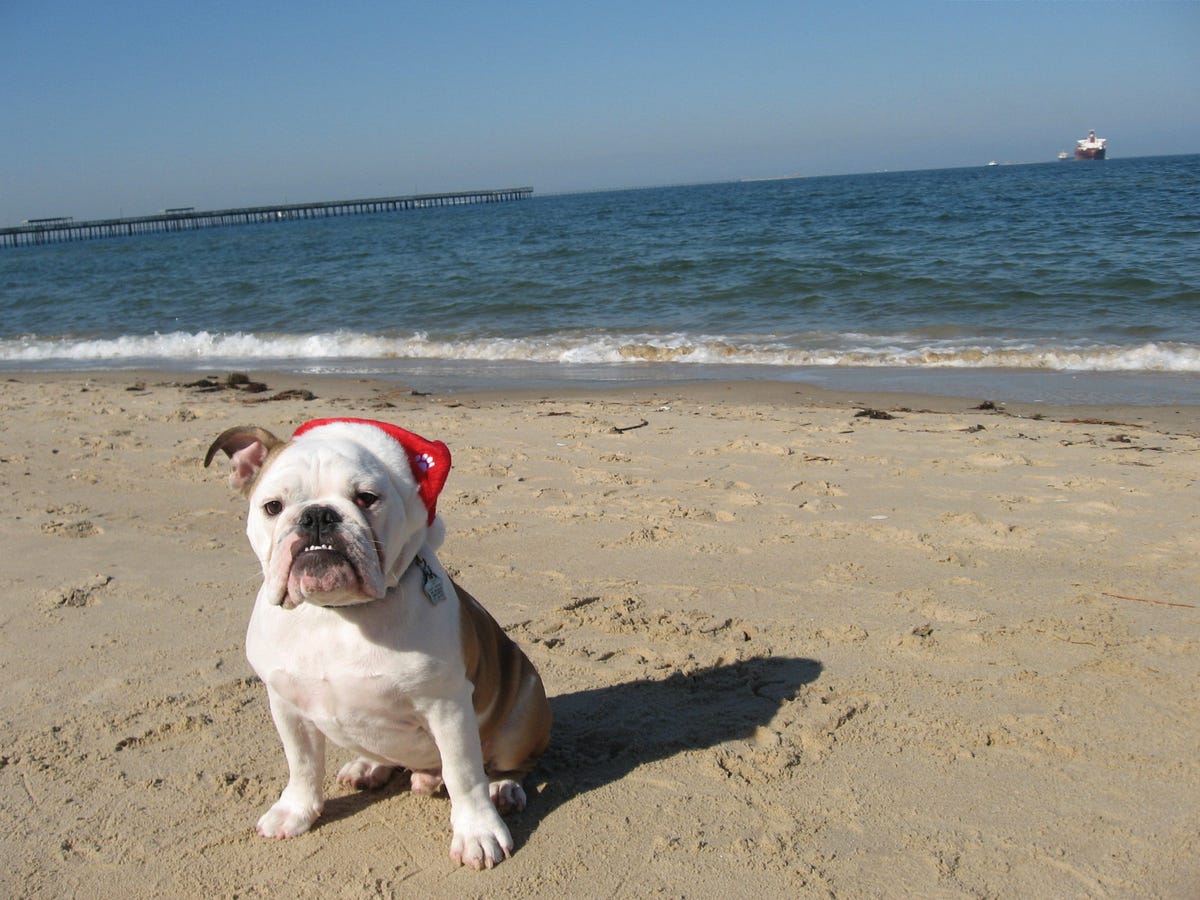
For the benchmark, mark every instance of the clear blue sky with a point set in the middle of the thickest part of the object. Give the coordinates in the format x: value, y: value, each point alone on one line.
x: 124, y: 108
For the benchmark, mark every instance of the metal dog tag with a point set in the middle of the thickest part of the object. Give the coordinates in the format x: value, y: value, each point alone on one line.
x: 433, y: 585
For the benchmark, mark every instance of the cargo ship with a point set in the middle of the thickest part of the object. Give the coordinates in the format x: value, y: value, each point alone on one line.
x: 1090, y: 147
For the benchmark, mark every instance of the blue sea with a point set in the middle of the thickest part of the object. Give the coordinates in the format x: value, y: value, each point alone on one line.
x: 1058, y: 282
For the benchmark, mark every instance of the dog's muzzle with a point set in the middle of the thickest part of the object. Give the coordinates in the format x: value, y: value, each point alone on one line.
x: 323, y: 567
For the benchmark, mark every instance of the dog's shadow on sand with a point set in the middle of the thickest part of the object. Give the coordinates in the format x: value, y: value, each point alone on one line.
x: 602, y: 734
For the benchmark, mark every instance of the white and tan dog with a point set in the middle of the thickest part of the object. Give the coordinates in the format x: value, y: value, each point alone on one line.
x: 361, y: 637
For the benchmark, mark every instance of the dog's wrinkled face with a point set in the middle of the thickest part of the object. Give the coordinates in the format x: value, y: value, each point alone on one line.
x: 336, y: 514
x: 319, y: 520
x: 329, y: 520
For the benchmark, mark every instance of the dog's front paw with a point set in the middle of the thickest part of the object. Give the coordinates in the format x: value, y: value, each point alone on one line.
x: 284, y: 820
x: 481, y: 841
x: 364, y: 774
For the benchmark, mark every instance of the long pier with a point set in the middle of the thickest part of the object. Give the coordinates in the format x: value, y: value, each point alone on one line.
x: 58, y: 230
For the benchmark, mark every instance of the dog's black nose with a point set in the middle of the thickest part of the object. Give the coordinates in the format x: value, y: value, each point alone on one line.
x: 318, y: 521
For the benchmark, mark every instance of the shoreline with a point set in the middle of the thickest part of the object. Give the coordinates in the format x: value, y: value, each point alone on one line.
x: 1052, y: 387
x: 790, y: 650
x: 1182, y: 418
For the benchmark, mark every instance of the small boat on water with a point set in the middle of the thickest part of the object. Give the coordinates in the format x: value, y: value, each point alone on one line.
x: 1063, y: 154
x: 1091, y: 147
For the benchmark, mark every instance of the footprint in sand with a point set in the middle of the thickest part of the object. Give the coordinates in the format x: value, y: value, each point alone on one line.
x: 78, y: 595
x: 80, y: 529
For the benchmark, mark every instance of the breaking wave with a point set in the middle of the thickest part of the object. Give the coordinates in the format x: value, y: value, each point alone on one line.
x: 343, y: 348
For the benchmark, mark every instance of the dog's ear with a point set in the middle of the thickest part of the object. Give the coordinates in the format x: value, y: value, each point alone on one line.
x: 247, y: 447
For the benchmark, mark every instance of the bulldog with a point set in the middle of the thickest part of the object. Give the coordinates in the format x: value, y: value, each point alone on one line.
x: 361, y: 637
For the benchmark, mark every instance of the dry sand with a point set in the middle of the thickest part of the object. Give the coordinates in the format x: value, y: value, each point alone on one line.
x: 792, y: 651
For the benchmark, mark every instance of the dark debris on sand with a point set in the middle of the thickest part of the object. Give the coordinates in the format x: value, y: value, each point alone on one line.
x: 239, y: 381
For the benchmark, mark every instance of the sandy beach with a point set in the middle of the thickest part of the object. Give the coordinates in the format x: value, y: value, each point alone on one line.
x: 798, y: 645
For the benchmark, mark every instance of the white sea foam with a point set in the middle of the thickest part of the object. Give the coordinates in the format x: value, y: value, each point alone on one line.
x: 592, y: 349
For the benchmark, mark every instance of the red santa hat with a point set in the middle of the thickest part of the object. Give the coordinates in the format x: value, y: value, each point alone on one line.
x: 430, y: 460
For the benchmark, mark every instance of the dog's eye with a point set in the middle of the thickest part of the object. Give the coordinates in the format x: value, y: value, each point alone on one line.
x: 273, y: 508
x: 365, y: 499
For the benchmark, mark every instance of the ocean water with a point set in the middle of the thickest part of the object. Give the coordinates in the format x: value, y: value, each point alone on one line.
x: 1062, y: 282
